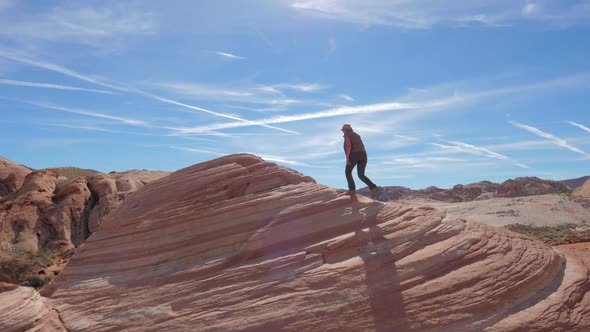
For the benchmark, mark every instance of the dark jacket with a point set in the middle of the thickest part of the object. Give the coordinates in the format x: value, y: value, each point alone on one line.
x: 356, y: 142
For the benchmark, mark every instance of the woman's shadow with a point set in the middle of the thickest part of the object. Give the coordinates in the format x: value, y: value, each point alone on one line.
x: 381, y: 276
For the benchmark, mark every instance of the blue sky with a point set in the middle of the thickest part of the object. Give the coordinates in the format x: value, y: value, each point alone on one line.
x: 441, y: 93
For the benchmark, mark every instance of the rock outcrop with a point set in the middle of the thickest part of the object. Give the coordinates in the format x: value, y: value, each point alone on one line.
x: 519, y: 187
x: 23, y: 309
x: 583, y: 191
x: 72, y: 172
x: 12, y: 176
x: 60, y: 213
x: 530, y: 186
x: 237, y: 243
x: 576, y: 183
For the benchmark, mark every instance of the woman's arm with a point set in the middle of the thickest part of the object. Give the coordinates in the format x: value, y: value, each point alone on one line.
x: 347, y: 148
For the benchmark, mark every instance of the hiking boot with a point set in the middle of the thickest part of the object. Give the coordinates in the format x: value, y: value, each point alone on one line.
x: 374, y: 192
x: 351, y: 192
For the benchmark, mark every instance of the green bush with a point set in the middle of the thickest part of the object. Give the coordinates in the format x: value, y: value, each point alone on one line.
x: 16, y: 266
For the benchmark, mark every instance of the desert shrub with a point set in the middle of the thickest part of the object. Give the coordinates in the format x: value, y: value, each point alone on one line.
x: 12, y: 270
x: 36, y: 282
x: 17, y: 266
x: 42, y: 258
x: 555, y: 235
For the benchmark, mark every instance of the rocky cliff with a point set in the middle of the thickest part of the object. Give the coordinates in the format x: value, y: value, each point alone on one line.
x: 241, y: 244
x: 59, y: 212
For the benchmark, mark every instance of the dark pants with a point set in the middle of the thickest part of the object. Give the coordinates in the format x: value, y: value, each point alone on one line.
x: 360, y: 159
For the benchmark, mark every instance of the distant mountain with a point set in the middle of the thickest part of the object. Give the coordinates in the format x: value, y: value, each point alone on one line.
x: 575, y: 183
x: 524, y: 186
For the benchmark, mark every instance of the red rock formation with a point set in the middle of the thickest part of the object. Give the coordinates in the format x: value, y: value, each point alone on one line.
x: 60, y: 213
x: 575, y: 183
x: 12, y: 176
x: 23, y: 309
x: 519, y: 187
x: 111, y: 189
x: 241, y: 244
x: 530, y: 186
x: 583, y: 191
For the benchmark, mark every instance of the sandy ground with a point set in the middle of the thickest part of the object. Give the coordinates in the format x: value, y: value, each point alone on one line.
x: 544, y: 210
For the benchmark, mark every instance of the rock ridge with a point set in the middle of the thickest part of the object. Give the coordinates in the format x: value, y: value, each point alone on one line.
x: 238, y: 243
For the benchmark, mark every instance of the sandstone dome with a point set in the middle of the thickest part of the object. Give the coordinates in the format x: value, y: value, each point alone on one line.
x: 240, y: 244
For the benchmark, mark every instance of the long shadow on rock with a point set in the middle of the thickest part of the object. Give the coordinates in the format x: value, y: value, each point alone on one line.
x: 382, y: 279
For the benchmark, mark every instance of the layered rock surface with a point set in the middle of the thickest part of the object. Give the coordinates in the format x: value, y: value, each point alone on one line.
x: 23, y: 309
x: 241, y: 244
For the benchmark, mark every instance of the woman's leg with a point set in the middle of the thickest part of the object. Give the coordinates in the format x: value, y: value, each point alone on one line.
x: 349, y: 179
x: 361, y: 173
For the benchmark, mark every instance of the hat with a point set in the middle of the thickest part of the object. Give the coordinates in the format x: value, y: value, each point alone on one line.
x: 346, y: 127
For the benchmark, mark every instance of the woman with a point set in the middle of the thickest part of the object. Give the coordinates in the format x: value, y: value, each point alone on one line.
x: 356, y: 155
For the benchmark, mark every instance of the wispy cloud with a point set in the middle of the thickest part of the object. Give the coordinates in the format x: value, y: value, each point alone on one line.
x: 554, y: 139
x: 268, y: 89
x: 584, y: 128
x: 425, y: 104
x: 424, y: 14
x: 307, y: 116
x: 127, y: 121
x: 406, y: 138
x: 71, y: 73
x: 105, y: 27
x: 282, y: 160
x: 301, y: 87
x: 468, y: 148
x: 229, y: 56
x: 205, y: 91
x: 50, y: 86
x: 183, y: 148
x: 58, y: 69
x: 331, y: 46
x: 248, y: 122
x: 264, y: 95
x: 522, y: 165
x: 105, y: 130
x: 257, y: 109
x: 346, y: 97
x: 60, y: 142
x: 462, y: 147
x: 530, y: 8
x: 521, y: 145
x: 262, y: 36
x: 421, y: 161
